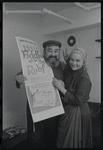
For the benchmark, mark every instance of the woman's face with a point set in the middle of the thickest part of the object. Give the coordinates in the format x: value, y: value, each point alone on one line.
x: 76, y: 61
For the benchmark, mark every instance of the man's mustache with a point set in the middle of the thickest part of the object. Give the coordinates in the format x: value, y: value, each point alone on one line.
x: 53, y: 57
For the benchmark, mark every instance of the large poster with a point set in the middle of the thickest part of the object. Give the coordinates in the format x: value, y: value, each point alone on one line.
x: 43, y: 97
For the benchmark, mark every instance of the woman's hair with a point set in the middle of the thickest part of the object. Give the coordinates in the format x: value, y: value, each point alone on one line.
x: 81, y: 52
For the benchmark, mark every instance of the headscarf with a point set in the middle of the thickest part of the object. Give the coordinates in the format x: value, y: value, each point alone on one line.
x: 81, y: 52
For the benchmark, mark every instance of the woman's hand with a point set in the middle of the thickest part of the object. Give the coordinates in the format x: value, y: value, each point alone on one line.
x: 59, y: 85
x: 20, y: 78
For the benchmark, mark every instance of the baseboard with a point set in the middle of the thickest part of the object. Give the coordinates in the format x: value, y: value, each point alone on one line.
x: 95, y: 109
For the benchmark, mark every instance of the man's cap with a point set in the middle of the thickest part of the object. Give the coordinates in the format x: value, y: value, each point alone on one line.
x: 52, y: 42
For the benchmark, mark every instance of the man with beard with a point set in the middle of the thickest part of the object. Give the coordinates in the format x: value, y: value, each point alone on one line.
x: 47, y: 128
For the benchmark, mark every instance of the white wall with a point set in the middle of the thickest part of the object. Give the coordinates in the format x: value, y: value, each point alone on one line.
x: 35, y: 27
x: 86, y: 27
x: 14, y: 100
x: 80, y: 17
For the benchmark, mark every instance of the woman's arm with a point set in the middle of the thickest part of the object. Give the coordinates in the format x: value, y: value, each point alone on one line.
x: 59, y: 85
x: 81, y: 95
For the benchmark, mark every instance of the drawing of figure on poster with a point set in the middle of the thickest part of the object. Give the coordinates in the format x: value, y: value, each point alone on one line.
x: 43, y: 94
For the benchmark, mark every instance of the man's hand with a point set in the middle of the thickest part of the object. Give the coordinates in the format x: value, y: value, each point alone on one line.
x: 20, y: 79
x: 59, y: 85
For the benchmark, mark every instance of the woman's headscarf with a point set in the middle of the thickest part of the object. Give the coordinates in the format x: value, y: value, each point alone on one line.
x: 81, y: 52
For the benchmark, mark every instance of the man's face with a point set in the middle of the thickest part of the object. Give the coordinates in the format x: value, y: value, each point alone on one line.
x: 52, y: 54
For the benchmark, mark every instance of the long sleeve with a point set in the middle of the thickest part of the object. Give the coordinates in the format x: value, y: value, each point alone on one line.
x: 17, y: 83
x: 81, y: 95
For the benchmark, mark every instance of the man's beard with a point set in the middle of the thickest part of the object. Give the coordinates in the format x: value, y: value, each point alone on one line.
x: 53, y: 63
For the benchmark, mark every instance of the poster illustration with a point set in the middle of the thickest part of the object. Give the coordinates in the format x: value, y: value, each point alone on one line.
x: 43, y: 97
x: 43, y: 94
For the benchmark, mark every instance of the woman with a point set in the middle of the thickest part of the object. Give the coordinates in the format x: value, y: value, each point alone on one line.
x: 75, y: 130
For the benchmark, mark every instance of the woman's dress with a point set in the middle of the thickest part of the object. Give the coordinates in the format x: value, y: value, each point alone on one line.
x: 75, y: 129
